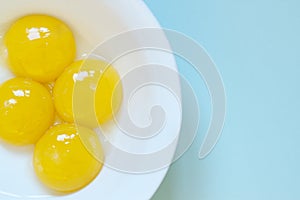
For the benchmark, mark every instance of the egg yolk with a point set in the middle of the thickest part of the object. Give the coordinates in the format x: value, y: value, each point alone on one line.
x: 88, y: 92
x: 39, y: 47
x: 26, y: 111
x: 67, y: 157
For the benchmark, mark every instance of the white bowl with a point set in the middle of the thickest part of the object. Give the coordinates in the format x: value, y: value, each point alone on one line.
x: 93, y: 21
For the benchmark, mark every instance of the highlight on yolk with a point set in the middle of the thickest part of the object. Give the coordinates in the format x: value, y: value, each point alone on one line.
x: 67, y: 157
x: 89, y: 92
x: 26, y: 111
x: 39, y: 47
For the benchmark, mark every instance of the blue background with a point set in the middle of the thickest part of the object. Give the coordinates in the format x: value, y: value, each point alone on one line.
x: 256, y: 46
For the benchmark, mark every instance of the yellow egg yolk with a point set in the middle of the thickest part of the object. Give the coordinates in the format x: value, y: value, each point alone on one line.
x: 88, y: 92
x: 67, y: 157
x: 26, y: 111
x: 39, y: 47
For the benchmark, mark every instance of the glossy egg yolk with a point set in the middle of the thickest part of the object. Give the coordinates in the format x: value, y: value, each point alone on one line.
x: 67, y: 157
x: 88, y: 92
x: 39, y: 47
x: 26, y: 111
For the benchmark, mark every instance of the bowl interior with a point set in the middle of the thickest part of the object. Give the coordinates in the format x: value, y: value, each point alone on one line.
x: 94, y: 22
